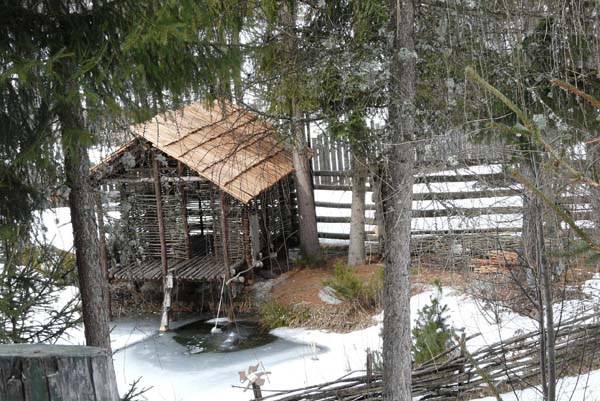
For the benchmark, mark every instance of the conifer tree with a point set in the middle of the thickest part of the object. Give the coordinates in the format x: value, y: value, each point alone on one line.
x: 68, y: 65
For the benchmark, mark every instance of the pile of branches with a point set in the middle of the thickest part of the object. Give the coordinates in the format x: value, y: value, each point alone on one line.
x: 502, y: 366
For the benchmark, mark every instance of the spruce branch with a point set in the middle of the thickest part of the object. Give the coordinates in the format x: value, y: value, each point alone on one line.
x: 531, y: 128
x: 563, y: 214
x: 576, y: 92
x: 476, y: 78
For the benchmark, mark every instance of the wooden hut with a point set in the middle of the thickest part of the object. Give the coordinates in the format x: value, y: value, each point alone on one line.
x: 202, y: 193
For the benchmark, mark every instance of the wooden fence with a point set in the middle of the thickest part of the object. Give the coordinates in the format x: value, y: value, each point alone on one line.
x: 460, y: 188
x: 458, y: 374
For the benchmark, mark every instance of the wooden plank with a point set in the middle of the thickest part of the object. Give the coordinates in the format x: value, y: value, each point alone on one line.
x: 322, y: 155
x: 334, y: 205
x: 339, y: 149
x: 341, y: 219
x: 327, y: 157
x: 315, y: 159
x: 498, y: 230
x: 334, y: 164
x: 430, y: 179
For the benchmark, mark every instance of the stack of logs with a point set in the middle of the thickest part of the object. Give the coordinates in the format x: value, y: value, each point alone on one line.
x: 494, y: 262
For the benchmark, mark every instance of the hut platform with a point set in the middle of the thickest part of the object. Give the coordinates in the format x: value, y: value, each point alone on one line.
x: 197, y: 268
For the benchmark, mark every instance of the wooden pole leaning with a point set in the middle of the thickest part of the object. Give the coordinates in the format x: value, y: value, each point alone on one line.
x: 164, y: 321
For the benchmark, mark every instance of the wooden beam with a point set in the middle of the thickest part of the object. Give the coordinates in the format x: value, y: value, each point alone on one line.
x: 147, y: 179
x: 164, y: 323
x: 440, y: 178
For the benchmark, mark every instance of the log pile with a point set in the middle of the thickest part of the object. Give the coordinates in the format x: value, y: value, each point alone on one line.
x: 512, y: 363
x: 494, y: 262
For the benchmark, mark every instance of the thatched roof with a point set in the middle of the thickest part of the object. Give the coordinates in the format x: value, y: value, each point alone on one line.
x: 233, y: 148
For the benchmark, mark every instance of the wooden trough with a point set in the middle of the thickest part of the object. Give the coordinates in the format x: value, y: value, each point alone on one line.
x: 39, y: 372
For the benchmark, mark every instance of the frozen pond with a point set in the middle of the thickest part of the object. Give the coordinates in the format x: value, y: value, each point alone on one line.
x: 200, y: 337
x: 176, y: 373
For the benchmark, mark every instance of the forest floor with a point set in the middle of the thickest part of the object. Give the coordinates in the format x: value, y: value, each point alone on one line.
x: 302, y: 284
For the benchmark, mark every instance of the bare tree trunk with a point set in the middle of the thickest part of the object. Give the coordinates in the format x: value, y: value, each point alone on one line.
x: 593, y: 160
x: 534, y: 252
x: 398, y: 203
x: 307, y: 232
x: 360, y: 171
x: 92, y: 282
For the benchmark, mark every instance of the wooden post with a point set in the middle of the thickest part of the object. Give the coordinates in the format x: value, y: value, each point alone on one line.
x: 103, y: 253
x: 247, y: 246
x: 164, y: 323
x: 257, y: 392
x: 224, y: 242
x: 369, y: 366
x: 255, y: 244
x: 167, y: 289
x: 186, y: 227
x: 56, y: 372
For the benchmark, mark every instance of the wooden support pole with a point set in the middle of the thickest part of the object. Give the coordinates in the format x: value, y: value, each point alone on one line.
x: 247, y: 246
x: 184, y: 217
x: 224, y: 243
x: 103, y: 251
x: 255, y: 244
x: 369, y: 366
x: 257, y: 392
x: 164, y: 323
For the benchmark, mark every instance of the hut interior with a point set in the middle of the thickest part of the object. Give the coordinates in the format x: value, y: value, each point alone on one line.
x: 189, y: 182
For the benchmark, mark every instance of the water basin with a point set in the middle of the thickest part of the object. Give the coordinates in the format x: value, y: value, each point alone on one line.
x: 198, y: 339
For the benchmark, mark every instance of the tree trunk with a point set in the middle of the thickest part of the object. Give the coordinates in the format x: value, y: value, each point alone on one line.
x: 356, y: 250
x: 398, y: 203
x: 307, y: 231
x: 92, y: 282
x: 593, y: 158
x: 534, y: 252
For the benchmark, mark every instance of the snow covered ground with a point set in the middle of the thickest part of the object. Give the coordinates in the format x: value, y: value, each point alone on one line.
x: 302, y: 357
x: 299, y: 357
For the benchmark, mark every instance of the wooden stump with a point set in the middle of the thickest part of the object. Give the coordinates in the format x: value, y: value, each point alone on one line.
x: 38, y: 372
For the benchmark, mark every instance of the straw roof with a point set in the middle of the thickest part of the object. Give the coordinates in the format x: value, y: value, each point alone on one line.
x: 232, y: 148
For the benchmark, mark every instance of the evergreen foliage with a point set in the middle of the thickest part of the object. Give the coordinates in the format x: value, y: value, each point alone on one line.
x: 351, y: 287
x: 114, y: 60
x: 432, y: 334
x: 32, y: 277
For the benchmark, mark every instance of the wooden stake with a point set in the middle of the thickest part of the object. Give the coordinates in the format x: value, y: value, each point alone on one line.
x: 164, y: 323
x: 247, y: 247
x: 186, y: 227
x: 369, y: 366
x: 255, y: 244
x: 103, y: 253
x: 257, y: 392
